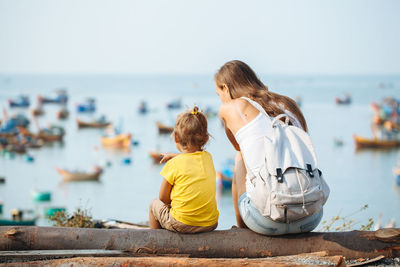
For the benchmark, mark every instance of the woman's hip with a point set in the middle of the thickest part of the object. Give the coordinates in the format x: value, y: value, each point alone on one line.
x: 266, y: 226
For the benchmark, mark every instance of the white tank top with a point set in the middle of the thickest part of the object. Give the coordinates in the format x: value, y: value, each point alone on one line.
x: 251, y: 141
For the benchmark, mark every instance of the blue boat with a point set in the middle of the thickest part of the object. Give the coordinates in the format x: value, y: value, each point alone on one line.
x: 89, y: 106
x: 143, y: 109
x: 61, y: 97
x: 20, y: 101
x: 174, y: 104
x: 396, y: 172
x: 10, y: 125
x: 225, y: 176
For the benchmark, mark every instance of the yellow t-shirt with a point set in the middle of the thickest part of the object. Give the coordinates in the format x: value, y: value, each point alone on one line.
x: 192, y: 176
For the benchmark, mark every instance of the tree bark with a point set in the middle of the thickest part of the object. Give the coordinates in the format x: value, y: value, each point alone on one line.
x: 233, y: 243
x: 284, y: 261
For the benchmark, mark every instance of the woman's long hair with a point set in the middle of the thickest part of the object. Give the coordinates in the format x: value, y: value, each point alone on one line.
x: 242, y: 81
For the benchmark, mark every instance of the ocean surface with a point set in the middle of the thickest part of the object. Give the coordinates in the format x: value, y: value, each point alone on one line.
x: 124, y: 192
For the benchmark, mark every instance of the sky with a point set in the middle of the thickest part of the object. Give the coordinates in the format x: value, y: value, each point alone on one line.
x: 184, y: 36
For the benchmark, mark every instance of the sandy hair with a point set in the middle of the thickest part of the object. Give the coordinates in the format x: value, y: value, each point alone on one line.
x: 191, y: 129
x: 243, y: 81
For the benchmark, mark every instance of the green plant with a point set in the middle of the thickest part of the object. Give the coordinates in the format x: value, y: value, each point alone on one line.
x: 345, y: 223
x: 80, y: 218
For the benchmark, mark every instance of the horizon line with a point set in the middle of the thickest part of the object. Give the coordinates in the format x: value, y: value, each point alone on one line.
x: 5, y: 73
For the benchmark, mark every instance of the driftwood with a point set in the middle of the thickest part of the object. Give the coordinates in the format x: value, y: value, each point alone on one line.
x: 312, y: 259
x: 234, y: 243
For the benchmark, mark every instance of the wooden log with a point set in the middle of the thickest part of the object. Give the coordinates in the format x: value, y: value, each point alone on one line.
x: 298, y: 260
x: 233, y: 243
x: 40, y: 255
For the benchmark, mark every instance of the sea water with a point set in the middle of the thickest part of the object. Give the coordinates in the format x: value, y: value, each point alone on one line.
x: 356, y: 178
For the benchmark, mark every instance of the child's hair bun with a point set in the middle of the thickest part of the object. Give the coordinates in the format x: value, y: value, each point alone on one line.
x: 195, y: 110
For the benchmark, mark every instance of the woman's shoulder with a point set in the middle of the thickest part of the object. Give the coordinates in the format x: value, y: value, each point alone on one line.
x: 227, y: 107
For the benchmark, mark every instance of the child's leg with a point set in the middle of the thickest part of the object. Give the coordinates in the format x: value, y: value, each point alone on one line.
x: 154, y: 224
x: 238, y: 187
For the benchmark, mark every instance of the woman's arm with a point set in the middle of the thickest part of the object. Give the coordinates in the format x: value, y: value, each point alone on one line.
x: 232, y: 139
x: 165, y: 192
x: 223, y: 114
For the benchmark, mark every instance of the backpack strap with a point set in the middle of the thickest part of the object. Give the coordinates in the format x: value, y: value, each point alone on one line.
x: 279, y: 117
x: 261, y: 109
x: 257, y: 106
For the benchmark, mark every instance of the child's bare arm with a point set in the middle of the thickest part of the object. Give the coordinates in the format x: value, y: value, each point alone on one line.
x: 165, y: 192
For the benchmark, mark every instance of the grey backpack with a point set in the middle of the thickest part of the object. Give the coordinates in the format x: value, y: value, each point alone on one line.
x: 289, y: 186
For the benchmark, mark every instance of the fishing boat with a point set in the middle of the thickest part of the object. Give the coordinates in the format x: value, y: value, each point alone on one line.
x: 164, y: 129
x: 16, y: 148
x: 343, y: 100
x: 88, y: 106
x: 28, y: 222
x: 156, y: 156
x: 396, y: 172
x: 10, y: 124
x: 37, y: 111
x: 225, y: 176
x: 362, y: 142
x: 143, y: 109
x: 53, y: 134
x: 62, y: 114
x: 34, y: 142
x: 93, y: 124
x: 20, y: 101
x: 338, y: 142
x: 118, y: 141
x: 17, y: 219
x: 223, y: 182
x: 41, y: 196
x: 69, y: 176
x: 210, y: 112
x: 61, y: 97
x: 175, y: 104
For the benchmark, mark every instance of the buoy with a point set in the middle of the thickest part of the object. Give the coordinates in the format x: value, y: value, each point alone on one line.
x: 135, y: 142
x: 29, y: 158
x: 127, y: 161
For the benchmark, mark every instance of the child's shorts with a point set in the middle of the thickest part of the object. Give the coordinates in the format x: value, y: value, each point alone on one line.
x: 162, y: 214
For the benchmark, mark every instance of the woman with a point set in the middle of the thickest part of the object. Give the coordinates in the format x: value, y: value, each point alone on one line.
x: 246, y: 127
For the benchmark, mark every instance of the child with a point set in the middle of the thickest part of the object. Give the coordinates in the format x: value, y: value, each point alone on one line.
x: 186, y: 201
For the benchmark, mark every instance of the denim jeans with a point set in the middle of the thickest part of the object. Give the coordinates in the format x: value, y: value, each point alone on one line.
x: 266, y: 226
